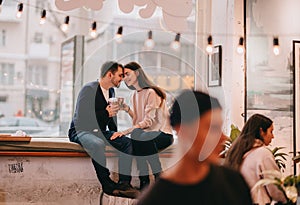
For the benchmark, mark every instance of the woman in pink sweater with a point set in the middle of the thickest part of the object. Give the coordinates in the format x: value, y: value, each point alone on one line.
x: 249, y: 154
x: 151, y: 130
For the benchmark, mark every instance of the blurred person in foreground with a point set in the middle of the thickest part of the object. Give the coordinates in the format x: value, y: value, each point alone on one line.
x: 249, y: 155
x: 196, y: 178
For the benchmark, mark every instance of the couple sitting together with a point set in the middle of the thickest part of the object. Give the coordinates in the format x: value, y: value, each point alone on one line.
x: 94, y: 125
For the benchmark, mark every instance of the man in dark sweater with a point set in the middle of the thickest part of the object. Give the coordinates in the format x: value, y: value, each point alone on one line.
x: 93, y: 124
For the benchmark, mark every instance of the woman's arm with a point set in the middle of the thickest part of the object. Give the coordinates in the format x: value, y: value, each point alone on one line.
x: 127, y: 109
x: 269, y: 163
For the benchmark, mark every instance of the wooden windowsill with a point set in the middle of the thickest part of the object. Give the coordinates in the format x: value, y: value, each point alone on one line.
x: 55, y: 148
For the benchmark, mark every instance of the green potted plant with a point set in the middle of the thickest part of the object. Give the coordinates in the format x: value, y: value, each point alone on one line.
x: 288, y: 185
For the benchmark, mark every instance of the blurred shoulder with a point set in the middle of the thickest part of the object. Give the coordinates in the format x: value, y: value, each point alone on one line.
x: 227, y: 174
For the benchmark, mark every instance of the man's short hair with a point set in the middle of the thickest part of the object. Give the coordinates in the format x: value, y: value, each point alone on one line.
x: 111, y: 66
x: 190, y: 105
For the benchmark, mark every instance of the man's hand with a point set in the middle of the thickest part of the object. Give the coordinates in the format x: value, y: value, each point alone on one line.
x: 116, y: 135
x: 112, y: 110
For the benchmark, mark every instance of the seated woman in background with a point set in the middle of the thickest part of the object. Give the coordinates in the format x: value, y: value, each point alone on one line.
x: 251, y: 157
x: 151, y: 129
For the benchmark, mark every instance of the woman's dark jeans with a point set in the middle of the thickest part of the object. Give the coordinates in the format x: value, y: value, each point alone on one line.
x: 146, y: 146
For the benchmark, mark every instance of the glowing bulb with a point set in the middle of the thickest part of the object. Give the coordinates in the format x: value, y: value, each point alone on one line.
x: 19, y: 14
x: 149, y: 43
x: 43, y: 17
x: 176, y: 43
x: 240, y: 50
x: 209, y: 47
x: 93, y: 33
x: 93, y: 30
x: 42, y: 21
x: 20, y: 10
x: 276, y: 50
x: 118, y: 37
x: 240, y: 47
x: 64, y: 27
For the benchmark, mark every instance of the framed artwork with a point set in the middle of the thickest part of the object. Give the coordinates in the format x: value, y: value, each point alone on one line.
x: 296, y: 102
x: 215, y: 67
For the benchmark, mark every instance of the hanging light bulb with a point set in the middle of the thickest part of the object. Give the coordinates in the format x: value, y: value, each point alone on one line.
x: 240, y: 47
x: 118, y: 36
x: 176, y: 43
x: 149, y: 42
x: 43, y: 17
x: 93, y: 30
x: 276, y: 50
x: 65, y: 26
x: 209, y: 47
x: 20, y: 10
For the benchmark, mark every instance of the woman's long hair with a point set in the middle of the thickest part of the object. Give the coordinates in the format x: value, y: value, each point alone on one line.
x: 143, y: 81
x: 246, y: 140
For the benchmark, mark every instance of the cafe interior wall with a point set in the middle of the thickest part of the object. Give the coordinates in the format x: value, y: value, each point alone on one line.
x: 258, y: 81
x: 224, y: 21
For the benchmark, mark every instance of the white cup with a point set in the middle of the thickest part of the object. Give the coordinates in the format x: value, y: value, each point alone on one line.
x: 113, y: 101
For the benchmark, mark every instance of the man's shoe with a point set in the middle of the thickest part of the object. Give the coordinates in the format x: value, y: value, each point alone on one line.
x: 127, y: 190
x: 110, y: 187
x: 121, y: 189
x: 124, y: 185
x: 130, y: 193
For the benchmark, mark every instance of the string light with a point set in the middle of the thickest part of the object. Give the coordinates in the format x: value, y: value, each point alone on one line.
x: 176, y: 43
x: 20, y: 10
x: 276, y: 50
x: 149, y: 42
x: 118, y: 36
x: 43, y: 16
x: 65, y: 26
x: 209, y: 47
x: 240, y: 47
x: 93, y: 30
x: 1, y: 2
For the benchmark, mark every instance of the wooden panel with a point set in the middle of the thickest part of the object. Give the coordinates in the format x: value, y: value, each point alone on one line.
x: 9, y: 138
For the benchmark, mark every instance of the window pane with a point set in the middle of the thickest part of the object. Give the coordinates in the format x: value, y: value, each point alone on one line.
x: 31, y: 77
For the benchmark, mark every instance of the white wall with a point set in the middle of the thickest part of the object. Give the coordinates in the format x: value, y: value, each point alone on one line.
x: 223, y: 19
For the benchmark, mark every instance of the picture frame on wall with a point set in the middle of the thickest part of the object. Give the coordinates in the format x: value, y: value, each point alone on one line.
x: 215, y: 67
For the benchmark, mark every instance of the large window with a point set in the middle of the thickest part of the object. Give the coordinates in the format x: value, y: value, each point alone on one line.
x: 270, y: 76
x: 34, y: 85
